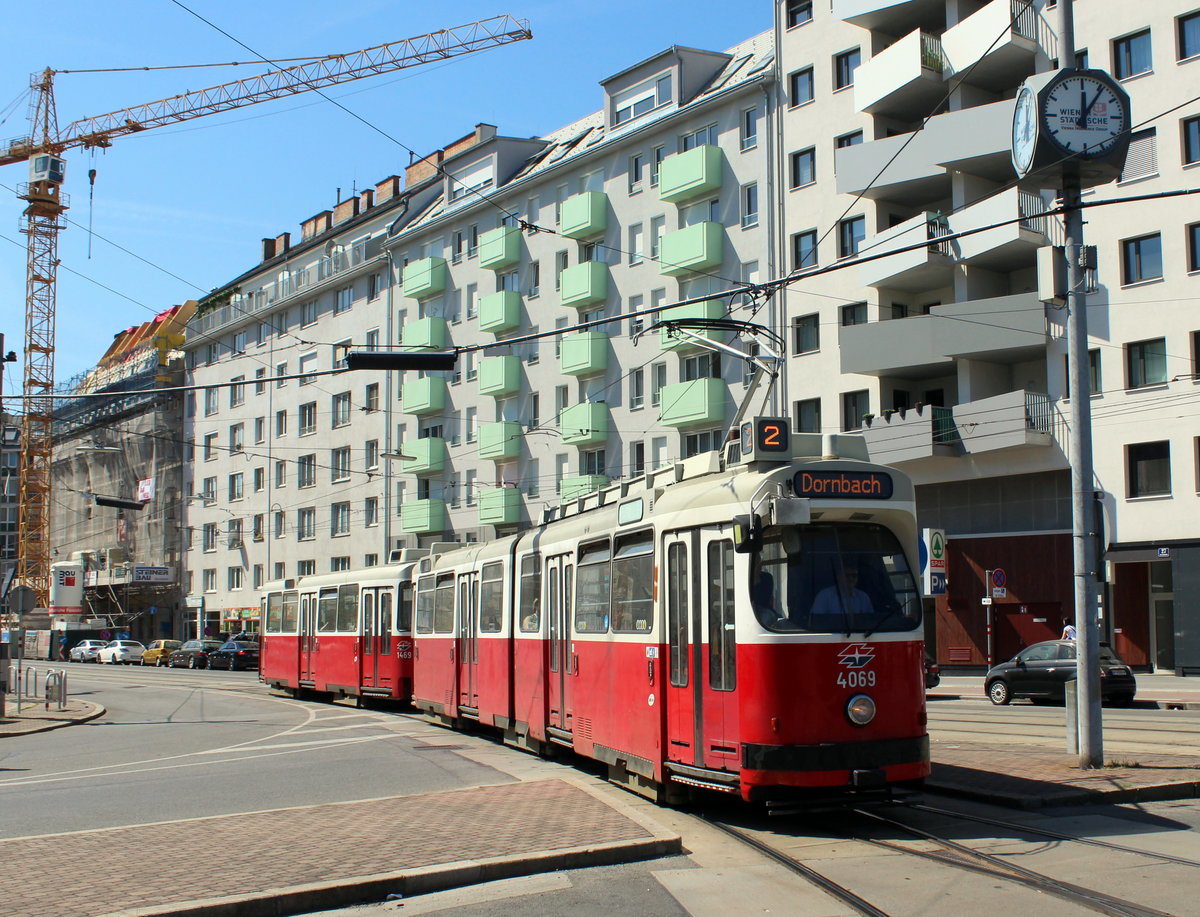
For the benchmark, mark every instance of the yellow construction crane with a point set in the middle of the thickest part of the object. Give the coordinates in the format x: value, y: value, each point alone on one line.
x: 46, y: 203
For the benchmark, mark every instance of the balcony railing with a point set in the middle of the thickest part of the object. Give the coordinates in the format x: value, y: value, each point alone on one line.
x: 932, y: 57
x: 944, y: 431
x: 1032, y: 211
x: 1039, y: 417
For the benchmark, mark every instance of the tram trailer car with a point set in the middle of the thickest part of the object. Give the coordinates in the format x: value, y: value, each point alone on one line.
x: 346, y: 634
x: 747, y: 622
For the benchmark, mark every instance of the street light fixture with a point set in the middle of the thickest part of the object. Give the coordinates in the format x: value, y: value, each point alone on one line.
x: 118, y: 502
x: 397, y: 359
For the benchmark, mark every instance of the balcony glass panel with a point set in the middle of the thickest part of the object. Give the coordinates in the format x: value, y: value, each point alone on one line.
x: 499, y: 375
x: 584, y: 284
x: 428, y: 455
x: 688, y: 175
x: 420, y: 517
x: 694, y: 248
x: 426, y: 277
x: 500, y: 506
x: 500, y: 248
x: 584, y: 215
x: 584, y: 354
x: 424, y: 332
x: 701, y: 401
x: 498, y: 441
x: 713, y: 308
x: 584, y: 424
x: 423, y: 396
x: 500, y: 312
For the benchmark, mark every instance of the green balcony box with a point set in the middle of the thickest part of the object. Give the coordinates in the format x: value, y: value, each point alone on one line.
x: 693, y: 248
x: 584, y: 354
x: 428, y: 455
x: 424, y: 332
x: 584, y: 284
x: 686, y: 404
x: 500, y: 506
x: 584, y: 215
x: 423, y: 396
x: 688, y: 175
x: 420, y: 517
x: 579, y: 486
x: 500, y: 441
x: 711, y: 308
x: 500, y: 312
x: 500, y: 248
x: 584, y: 424
x: 425, y: 277
x: 499, y: 376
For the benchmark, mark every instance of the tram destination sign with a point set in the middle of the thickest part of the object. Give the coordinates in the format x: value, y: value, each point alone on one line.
x: 829, y: 485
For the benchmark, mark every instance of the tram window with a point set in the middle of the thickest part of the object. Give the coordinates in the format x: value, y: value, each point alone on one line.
x: 274, y: 612
x: 347, y: 614
x: 425, y: 605
x: 552, y: 609
x: 443, y: 605
x: 491, y: 598
x: 327, y: 604
x: 405, y: 609
x: 291, y: 602
x: 593, y: 585
x: 385, y: 623
x: 677, y: 613
x: 531, y: 591
x: 633, y: 584
x: 722, y: 638
x: 368, y: 620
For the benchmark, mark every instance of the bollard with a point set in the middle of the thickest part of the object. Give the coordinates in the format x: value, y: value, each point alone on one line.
x: 53, y: 689
x: 62, y: 681
x: 1071, y: 705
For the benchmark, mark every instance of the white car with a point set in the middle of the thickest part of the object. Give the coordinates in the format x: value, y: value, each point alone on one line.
x: 86, y: 650
x: 126, y: 651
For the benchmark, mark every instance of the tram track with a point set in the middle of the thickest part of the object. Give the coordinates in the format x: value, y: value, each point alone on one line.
x: 951, y: 854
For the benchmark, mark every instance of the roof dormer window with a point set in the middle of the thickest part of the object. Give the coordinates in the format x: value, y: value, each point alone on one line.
x: 475, y: 177
x: 644, y: 97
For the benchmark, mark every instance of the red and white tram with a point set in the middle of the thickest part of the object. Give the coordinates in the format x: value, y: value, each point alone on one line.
x: 341, y: 634
x: 746, y: 622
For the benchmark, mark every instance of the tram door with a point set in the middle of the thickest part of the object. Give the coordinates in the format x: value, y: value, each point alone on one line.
x: 468, y: 639
x: 308, y: 636
x: 375, y: 634
x: 701, y: 664
x: 561, y: 667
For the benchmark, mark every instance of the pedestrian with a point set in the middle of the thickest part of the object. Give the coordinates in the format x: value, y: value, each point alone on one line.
x: 1068, y: 630
x: 62, y: 648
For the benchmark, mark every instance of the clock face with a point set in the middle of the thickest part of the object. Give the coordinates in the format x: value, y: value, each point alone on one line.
x: 1024, y: 130
x: 1084, y: 116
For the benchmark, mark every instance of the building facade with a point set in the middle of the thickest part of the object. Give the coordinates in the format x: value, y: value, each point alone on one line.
x: 849, y: 145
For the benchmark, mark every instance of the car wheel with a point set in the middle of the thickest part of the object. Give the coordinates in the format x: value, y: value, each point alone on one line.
x: 998, y: 693
x: 1123, y: 700
x: 232, y: 664
x: 191, y: 662
x: 158, y: 662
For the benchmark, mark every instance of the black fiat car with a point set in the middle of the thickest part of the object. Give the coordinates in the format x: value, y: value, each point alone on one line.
x: 1041, y: 672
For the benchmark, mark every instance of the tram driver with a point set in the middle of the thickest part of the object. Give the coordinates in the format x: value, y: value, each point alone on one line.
x: 843, y: 598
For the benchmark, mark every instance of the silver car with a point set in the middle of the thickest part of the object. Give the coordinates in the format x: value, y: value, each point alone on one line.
x: 86, y: 650
x: 124, y: 651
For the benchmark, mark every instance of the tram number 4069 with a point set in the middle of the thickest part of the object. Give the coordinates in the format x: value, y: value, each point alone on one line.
x: 856, y: 679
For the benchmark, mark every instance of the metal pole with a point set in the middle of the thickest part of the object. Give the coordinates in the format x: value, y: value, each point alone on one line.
x: 1083, y: 529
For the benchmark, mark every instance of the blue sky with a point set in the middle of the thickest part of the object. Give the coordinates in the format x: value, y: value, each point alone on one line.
x: 193, y: 200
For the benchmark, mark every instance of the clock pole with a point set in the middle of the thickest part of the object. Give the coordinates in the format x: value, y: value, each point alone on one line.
x: 1085, y: 552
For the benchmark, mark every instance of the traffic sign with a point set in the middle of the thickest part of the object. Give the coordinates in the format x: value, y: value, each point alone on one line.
x: 937, y: 583
x: 999, y: 578
x: 932, y: 557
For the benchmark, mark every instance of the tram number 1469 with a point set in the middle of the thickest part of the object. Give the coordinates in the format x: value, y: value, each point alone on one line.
x: 856, y: 679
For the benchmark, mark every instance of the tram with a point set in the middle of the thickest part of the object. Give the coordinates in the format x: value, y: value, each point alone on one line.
x: 346, y: 634
x: 746, y: 621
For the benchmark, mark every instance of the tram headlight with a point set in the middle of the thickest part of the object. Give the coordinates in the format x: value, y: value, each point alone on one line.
x: 860, y: 710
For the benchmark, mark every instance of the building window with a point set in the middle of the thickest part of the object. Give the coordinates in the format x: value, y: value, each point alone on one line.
x: 640, y: 99
x: 308, y: 418
x: 280, y: 524
x: 1141, y: 259
x: 339, y: 464
x: 308, y: 365
x: 374, y: 285
x: 704, y: 136
x: 280, y: 373
x: 210, y: 447
x: 854, y: 138
x: 260, y: 479
x: 748, y: 134
x: 260, y: 376
x: 306, y: 567
x: 340, y: 409
x: 844, y: 65
x: 851, y: 233
x: 591, y: 462
x: 1193, y: 247
x: 637, y: 389
x: 1188, y: 31
x: 1093, y: 373
x: 658, y: 381
x: 237, y: 391
x: 1146, y: 363
x: 371, y: 512
x: 637, y: 459
x: 339, y: 519
x: 798, y: 12
x: 1131, y: 55
x: 637, y: 168
x: 1191, y: 140
x: 657, y: 154
x: 306, y: 471
x: 803, y: 168
x: 806, y: 331
x: 260, y: 429
x: 208, y: 537
x: 211, y: 396
x: 800, y: 87
x: 1142, y: 158
x: 750, y: 205
x: 854, y: 406
x: 701, y: 441
x: 637, y: 240
x: 345, y: 299
x: 308, y: 314
x: 236, y: 486
x: 804, y: 249
x: 235, y: 578
x: 306, y: 524
x: 208, y: 579
x: 371, y: 453
x: 808, y: 415
x: 854, y: 314
x: 281, y: 473
x: 371, y: 398
x: 1149, y: 469
x: 700, y: 366
x: 280, y: 423
x: 339, y: 564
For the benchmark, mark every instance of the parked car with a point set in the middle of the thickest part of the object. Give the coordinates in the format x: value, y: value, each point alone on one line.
x: 126, y: 652
x: 86, y: 650
x: 159, y: 650
x: 235, y: 654
x: 1041, y: 672
x: 933, y: 673
x: 193, y: 654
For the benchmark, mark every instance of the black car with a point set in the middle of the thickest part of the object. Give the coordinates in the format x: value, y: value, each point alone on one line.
x: 235, y: 654
x: 193, y: 654
x: 933, y: 673
x: 1041, y: 672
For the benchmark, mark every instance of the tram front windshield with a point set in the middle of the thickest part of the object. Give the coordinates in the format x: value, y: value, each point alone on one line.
x: 838, y: 577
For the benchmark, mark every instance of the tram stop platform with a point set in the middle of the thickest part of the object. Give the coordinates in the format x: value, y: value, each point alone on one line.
x: 547, y: 819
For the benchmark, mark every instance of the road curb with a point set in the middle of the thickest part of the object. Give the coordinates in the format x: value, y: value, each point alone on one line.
x: 1165, y: 792
x: 319, y: 896
x: 1137, y: 704
x: 30, y: 725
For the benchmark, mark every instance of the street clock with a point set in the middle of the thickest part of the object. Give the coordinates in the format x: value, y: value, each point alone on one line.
x: 1070, y: 121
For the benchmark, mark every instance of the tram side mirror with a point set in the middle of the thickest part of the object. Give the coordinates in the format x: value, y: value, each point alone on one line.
x: 747, y: 533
